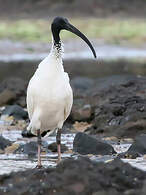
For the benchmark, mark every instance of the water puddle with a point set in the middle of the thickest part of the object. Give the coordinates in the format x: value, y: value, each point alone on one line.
x: 18, y: 162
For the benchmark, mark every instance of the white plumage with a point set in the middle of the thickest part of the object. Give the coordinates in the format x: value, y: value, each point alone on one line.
x: 49, y: 95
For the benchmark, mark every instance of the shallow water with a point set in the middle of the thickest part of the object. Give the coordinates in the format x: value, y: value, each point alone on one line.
x: 17, y: 162
x: 17, y: 51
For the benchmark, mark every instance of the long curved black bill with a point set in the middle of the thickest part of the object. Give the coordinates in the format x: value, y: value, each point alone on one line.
x: 74, y: 30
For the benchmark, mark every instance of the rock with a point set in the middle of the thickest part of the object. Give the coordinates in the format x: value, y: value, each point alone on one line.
x: 81, y: 111
x: 6, y: 97
x: 80, y: 176
x: 53, y: 147
x: 4, y: 143
x: 137, y: 149
x: 16, y: 88
x: 16, y: 111
x: 29, y: 148
x: 121, y: 116
x: 17, y: 85
x: 82, y: 83
x: 85, y: 144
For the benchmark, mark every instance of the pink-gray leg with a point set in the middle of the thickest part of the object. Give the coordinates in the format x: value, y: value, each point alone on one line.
x: 58, y: 141
x: 39, y: 165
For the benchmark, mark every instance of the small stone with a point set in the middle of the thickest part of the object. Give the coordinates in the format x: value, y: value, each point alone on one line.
x: 139, y: 145
x: 53, y: 147
x: 15, y: 111
x: 4, y: 143
x: 85, y: 144
x: 29, y: 148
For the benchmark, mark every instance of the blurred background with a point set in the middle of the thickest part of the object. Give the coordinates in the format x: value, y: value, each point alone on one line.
x: 116, y: 29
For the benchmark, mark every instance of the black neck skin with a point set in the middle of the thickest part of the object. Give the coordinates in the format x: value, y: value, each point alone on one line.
x: 56, y: 37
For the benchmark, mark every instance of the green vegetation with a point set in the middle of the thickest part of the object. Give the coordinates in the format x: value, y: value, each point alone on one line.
x: 111, y: 30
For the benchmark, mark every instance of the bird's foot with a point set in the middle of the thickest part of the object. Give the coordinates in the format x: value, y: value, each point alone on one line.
x: 39, y: 167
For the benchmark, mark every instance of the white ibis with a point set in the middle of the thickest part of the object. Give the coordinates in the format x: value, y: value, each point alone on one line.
x: 49, y: 94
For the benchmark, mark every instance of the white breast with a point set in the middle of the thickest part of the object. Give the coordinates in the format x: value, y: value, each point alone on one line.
x: 49, y: 96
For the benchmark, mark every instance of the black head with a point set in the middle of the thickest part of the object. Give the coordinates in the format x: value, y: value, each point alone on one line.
x: 60, y: 23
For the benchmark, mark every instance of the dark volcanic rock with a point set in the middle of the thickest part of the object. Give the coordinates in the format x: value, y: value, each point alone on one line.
x: 117, y: 105
x: 123, y: 116
x: 138, y: 148
x: 29, y: 148
x: 139, y: 145
x: 53, y: 147
x: 76, y: 177
x: 17, y: 87
x: 120, y: 110
x: 85, y: 144
x: 15, y: 111
x: 4, y: 143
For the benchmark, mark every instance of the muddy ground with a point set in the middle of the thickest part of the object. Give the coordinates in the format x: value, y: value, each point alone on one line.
x: 97, y: 8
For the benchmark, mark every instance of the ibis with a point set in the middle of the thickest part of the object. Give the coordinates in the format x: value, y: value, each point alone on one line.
x: 49, y: 94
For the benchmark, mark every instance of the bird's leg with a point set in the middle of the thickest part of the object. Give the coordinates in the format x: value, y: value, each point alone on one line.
x: 58, y: 140
x: 39, y: 165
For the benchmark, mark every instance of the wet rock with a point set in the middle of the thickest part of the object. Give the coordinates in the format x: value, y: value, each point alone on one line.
x: 85, y: 144
x: 53, y: 147
x: 16, y: 111
x: 80, y: 176
x: 137, y: 149
x: 6, y: 97
x: 29, y: 148
x: 81, y: 111
x: 4, y: 143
